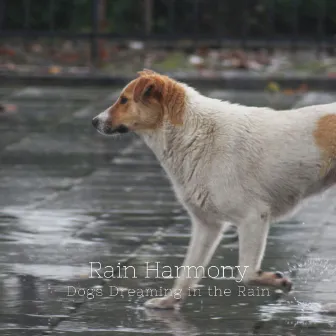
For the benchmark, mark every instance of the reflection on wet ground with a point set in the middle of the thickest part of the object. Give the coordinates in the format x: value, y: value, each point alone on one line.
x: 71, y: 197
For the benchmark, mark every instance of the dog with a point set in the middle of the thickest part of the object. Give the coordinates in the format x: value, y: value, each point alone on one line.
x: 228, y: 163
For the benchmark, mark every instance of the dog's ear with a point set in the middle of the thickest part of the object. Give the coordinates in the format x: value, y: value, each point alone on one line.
x: 145, y: 88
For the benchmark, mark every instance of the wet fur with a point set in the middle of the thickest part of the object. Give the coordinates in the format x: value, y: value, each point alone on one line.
x: 229, y: 163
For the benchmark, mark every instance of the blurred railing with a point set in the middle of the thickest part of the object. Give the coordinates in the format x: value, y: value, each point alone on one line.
x: 232, y: 23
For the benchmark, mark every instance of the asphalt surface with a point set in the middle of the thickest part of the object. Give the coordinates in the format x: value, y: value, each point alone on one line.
x: 70, y: 196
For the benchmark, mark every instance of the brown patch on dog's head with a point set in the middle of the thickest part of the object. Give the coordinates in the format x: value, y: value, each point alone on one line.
x: 147, y: 101
x: 325, y: 138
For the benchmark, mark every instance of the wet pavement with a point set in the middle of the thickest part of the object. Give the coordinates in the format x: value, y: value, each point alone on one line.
x: 70, y: 196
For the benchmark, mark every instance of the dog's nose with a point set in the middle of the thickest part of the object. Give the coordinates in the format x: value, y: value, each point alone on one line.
x: 95, y: 122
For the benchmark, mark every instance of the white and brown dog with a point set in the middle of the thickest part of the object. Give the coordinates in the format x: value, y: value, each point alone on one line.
x: 228, y: 163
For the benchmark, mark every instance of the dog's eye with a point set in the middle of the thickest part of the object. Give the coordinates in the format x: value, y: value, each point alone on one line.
x: 123, y: 100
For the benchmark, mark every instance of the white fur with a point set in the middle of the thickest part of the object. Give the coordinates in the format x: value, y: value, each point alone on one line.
x: 245, y: 165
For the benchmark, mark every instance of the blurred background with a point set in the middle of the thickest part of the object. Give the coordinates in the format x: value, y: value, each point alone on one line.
x: 202, y: 37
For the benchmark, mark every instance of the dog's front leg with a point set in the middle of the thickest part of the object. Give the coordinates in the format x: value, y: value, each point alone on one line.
x: 203, y: 243
x: 253, y: 234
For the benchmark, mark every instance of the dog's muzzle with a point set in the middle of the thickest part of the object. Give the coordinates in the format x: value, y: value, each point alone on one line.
x: 104, y: 129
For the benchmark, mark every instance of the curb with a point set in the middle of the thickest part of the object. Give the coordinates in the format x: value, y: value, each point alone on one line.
x: 233, y: 82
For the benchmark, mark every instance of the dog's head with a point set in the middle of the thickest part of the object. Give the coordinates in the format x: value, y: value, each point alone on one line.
x: 144, y: 104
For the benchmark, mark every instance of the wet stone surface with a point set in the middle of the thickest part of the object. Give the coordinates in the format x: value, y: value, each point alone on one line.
x: 70, y: 197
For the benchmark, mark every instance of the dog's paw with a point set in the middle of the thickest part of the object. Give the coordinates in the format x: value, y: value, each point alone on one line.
x: 282, y: 282
x: 166, y: 302
x: 273, y: 279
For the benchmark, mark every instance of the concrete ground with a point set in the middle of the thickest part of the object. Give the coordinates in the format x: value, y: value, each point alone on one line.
x: 70, y: 196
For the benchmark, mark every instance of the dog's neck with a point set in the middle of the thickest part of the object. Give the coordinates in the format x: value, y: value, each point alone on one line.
x: 180, y: 147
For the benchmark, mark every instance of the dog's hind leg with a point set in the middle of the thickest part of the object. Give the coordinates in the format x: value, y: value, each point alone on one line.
x: 203, y: 243
x: 253, y: 232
